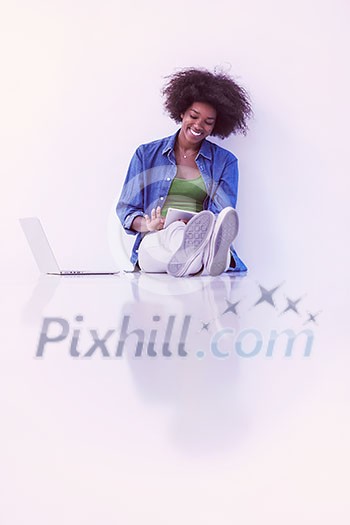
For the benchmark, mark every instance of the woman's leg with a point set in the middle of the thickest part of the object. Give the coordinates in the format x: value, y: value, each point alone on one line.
x: 189, y: 257
x: 183, y: 249
x: 157, y: 248
x: 179, y: 248
x: 217, y: 255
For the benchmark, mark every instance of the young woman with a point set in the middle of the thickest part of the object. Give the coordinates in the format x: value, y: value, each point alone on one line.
x: 188, y: 172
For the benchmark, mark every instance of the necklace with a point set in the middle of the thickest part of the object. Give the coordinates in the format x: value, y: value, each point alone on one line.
x: 182, y: 154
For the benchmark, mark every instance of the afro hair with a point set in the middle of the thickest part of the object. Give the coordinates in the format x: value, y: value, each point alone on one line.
x: 230, y: 100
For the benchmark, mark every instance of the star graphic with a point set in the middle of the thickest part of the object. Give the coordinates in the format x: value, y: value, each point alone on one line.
x: 266, y: 295
x: 312, y: 317
x: 205, y: 326
x: 231, y: 307
x: 292, y: 305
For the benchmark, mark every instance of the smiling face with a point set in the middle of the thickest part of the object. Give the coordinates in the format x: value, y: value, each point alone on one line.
x: 198, y: 122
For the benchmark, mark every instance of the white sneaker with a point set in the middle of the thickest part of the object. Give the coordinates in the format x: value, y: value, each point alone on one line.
x: 188, y: 258
x: 224, y: 232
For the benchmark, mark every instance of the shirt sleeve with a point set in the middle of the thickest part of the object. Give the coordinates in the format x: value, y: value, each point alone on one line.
x: 131, y: 200
x: 224, y: 194
x: 225, y: 189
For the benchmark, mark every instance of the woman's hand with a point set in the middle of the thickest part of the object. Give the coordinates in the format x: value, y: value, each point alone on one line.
x: 156, y: 221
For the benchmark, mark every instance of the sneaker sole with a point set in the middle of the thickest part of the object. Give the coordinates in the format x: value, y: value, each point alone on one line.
x: 196, y: 237
x: 224, y: 233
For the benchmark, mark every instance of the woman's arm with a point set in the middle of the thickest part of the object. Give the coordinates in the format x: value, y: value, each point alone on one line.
x: 131, y: 201
x: 225, y: 192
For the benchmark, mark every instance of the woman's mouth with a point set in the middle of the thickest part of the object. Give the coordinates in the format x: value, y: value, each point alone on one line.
x: 195, y: 133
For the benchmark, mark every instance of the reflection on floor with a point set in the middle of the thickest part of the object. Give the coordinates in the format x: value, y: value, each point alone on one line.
x: 161, y: 316
x: 141, y: 377
x: 187, y: 342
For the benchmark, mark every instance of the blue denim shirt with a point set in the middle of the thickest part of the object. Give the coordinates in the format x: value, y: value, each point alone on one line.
x: 151, y: 172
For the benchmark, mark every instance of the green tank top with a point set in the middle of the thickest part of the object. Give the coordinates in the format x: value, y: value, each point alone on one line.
x: 186, y: 194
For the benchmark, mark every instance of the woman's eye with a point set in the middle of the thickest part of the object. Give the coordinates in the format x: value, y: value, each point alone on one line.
x: 193, y: 116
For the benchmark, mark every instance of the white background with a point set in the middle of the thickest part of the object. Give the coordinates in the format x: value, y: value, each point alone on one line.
x: 80, y: 90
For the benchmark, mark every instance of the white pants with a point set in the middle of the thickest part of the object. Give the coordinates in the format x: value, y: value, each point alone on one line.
x: 157, y: 248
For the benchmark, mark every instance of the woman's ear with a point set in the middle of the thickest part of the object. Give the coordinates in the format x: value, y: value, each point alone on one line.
x: 182, y: 116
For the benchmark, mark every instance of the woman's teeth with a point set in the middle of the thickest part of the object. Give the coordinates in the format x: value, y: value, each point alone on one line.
x: 196, y: 133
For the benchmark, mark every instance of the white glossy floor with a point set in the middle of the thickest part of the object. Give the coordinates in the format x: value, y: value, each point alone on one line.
x: 226, y: 429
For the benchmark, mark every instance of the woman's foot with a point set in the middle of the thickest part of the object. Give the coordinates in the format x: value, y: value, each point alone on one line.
x: 224, y: 232
x: 188, y: 259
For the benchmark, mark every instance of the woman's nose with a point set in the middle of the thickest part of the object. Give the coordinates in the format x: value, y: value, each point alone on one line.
x: 198, y: 126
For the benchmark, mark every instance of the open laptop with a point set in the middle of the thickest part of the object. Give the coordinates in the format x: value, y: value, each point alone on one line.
x: 42, y: 250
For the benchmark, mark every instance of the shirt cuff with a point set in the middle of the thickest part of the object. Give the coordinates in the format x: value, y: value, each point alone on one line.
x: 129, y: 219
